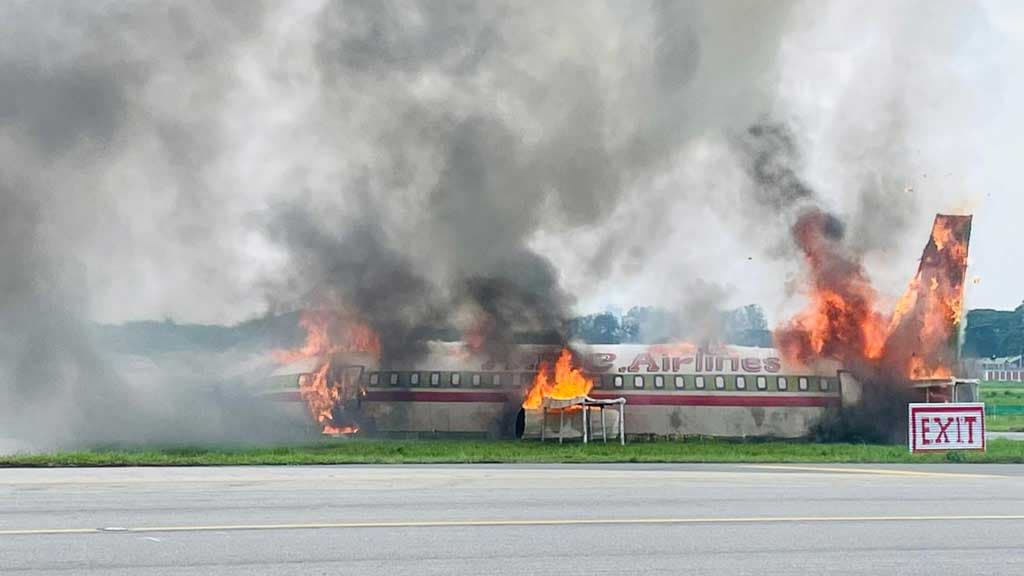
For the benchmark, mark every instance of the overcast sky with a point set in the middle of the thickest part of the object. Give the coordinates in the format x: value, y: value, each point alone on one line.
x: 996, y: 177
x: 955, y: 76
x: 153, y: 147
x: 436, y: 161
x: 965, y: 132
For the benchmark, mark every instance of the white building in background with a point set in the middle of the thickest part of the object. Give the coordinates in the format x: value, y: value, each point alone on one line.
x: 1005, y: 369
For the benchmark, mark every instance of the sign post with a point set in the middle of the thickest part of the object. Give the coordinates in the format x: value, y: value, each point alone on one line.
x: 942, y: 427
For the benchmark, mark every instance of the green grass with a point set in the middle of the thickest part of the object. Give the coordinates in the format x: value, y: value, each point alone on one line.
x: 1003, y: 394
x: 466, y: 451
x: 1005, y: 423
x: 364, y: 451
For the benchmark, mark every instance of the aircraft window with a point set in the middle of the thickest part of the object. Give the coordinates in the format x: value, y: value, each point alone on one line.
x: 617, y: 382
x: 456, y: 378
x: 393, y: 378
x: 414, y: 379
x: 680, y: 382
x: 638, y: 381
x: 374, y: 378
x: 782, y: 383
x: 435, y: 378
x: 720, y: 382
x: 476, y: 379
x: 823, y: 384
x: 802, y: 383
x: 762, y: 383
x: 659, y: 381
x: 741, y: 383
x: 699, y: 382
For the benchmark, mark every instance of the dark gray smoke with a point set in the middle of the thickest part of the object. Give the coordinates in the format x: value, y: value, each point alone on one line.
x: 426, y: 164
x: 504, y: 135
x: 351, y: 269
x: 774, y: 162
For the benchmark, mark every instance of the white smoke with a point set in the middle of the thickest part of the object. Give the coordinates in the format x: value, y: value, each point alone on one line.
x: 215, y: 162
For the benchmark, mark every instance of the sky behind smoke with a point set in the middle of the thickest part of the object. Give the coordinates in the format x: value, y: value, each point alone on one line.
x: 158, y: 142
x: 902, y: 111
x: 418, y: 162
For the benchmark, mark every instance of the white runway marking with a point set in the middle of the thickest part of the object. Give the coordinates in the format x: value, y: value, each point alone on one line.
x: 874, y: 471
x: 520, y: 522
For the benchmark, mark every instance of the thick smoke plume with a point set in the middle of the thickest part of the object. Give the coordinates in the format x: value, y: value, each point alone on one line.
x: 484, y: 166
x: 845, y: 320
x: 508, y: 135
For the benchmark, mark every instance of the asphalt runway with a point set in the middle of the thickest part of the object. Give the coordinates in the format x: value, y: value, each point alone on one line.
x: 566, y: 520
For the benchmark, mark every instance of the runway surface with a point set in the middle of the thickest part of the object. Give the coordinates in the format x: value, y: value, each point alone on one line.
x: 601, y: 519
x: 1018, y: 436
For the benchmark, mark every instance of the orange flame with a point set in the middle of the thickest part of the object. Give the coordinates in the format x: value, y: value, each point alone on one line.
x: 833, y: 326
x: 569, y: 382
x: 926, y: 321
x: 330, y: 335
x: 919, y: 371
x: 843, y: 320
x: 329, y: 332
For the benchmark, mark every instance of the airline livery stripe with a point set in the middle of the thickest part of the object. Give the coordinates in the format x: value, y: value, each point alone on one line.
x: 495, y: 397
x: 764, y: 400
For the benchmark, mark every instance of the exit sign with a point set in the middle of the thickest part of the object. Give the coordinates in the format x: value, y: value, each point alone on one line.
x: 941, y: 427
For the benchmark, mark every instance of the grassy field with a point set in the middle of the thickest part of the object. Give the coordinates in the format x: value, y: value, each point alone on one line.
x: 1005, y: 422
x: 999, y: 394
x: 468, y: 451
x: 364, y: 451
x: 1003, y: 393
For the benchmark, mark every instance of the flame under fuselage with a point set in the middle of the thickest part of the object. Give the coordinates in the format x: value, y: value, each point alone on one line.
x: 670, y: 389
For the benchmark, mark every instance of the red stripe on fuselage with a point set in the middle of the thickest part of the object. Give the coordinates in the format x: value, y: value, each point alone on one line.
x: 495, y: 397
x: 763, y: 400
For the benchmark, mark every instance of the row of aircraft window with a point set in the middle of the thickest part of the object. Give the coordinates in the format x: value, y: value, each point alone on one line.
x: 638, y: 381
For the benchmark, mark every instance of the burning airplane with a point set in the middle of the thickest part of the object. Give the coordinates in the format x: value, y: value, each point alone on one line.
x: 844, y: 354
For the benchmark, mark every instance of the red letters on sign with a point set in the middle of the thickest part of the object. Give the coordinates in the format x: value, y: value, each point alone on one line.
x: 970, y: 420
x: 947, y: 426
x: 943, y: 430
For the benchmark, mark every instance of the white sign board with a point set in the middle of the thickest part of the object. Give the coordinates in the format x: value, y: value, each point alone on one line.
x: 940, y: 427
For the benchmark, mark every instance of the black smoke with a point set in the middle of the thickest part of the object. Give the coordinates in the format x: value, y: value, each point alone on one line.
x: 430, y: 164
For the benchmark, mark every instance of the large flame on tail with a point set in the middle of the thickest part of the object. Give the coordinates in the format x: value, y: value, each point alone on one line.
x: 566, y: 381
x: 331, y: 337
x: 925, y: 326
x: 918, y: 339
